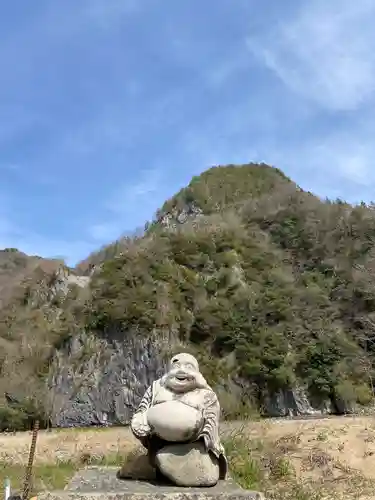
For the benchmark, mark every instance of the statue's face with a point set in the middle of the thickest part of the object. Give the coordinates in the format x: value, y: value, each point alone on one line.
x: 184, y: 374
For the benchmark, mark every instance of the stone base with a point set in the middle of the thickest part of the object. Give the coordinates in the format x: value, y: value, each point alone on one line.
x: 188, y: 465
x: 101, y: 483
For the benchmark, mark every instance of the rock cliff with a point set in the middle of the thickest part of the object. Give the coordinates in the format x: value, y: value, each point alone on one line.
x: 101, y: 381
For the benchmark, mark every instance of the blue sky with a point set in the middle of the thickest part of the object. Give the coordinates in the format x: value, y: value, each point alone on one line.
x: 108, y: 107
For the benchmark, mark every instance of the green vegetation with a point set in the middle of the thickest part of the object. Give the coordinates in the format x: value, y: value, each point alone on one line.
x: 45, y: 477
x: 56, y: 475
x: 266, y: 283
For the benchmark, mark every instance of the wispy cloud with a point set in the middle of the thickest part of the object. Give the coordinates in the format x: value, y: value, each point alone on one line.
x: 324, y: 51
x: 127, y: 204
x: 13, y: 234
x: 109, y: 13
x: 335, y: 164
x: 104, y: 232
x: 128, y: 197
x: 114, y: 105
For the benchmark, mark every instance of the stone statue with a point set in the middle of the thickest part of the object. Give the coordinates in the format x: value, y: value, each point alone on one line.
x: 178, y: 422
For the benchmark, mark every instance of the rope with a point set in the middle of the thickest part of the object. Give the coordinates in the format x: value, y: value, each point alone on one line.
x: 29, y: 468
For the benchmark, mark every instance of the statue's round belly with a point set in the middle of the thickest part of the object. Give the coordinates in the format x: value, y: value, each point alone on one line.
x: 174, y: 421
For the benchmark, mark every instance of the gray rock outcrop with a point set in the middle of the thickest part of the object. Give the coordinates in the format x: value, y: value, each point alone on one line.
x: 100, y: 381
x: 294, y: 402
x: 178, y: 216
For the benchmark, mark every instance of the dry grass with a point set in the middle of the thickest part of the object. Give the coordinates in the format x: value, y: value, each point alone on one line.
x: 60, y: 453
x: 300, y: 460
x: 350, y: 440
x: 306, y: 460
x: 66, y: 445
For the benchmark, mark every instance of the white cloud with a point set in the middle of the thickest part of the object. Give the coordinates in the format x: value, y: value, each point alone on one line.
x: 10, y: 167
x: 125, y: 204
x: 13, y: 236
x: 76, y: 17
x: 337, y: 165
x: 351, y: 162
x: 342, y: 155
x: 104, y: 231
x: 106, y: 13
x: 325, y: 52
x: 7, y: 230
x: 124, y: 200
x: 16, y: 235
x: 219, y: 74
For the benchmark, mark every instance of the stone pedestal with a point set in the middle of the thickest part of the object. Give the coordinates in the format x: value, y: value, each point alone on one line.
x: 101, y: 483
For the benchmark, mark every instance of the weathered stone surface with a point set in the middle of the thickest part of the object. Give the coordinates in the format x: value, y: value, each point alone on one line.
x: 105, y: 387
x: 101, y: 483
x: 175, y: 421
x: 182, y: 407
x: 138, y: 466
x: 188, y: 464
x: 176, y: 216
x: 294, y: 402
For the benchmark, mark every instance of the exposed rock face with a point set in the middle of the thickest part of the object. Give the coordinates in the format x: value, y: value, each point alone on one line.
x: 64, y: 280
x: 60, y: 281
x: 101, y: 381
x: 294, y: 402
x: 180, y: 216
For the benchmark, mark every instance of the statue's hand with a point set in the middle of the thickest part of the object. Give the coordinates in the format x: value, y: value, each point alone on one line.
x: 207, y: 442
x: 142, y: 430
x: 139, y: 425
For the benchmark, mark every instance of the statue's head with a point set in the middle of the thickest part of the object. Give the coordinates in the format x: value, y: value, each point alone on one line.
x: 183, y: 374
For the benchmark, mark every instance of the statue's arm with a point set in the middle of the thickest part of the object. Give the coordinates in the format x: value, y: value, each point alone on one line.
x: 139, y: 424
x: 211, y: 416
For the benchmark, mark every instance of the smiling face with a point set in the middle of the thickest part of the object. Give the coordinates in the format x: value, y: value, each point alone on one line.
x: 184, y: 374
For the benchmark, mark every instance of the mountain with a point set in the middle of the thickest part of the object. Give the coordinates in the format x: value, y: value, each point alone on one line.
x: 269, y: 286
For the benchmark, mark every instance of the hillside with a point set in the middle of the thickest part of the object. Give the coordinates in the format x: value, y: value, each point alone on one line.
x: 271, y: 287
x: 31, y: 292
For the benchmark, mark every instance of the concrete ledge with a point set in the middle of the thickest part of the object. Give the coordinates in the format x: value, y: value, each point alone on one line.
x: 101, y: 483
